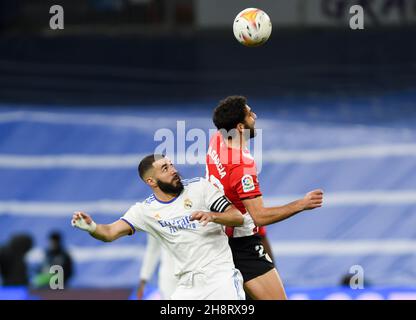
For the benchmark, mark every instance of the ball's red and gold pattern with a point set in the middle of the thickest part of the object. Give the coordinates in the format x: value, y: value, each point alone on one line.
x: 252, y: 27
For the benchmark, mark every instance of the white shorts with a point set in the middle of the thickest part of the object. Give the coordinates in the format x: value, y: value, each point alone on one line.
x: 218, y: 285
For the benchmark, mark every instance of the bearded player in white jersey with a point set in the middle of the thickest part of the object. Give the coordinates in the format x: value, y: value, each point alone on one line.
x: 203, y: 260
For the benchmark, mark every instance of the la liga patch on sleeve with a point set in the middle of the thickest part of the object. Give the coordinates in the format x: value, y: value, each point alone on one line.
x: 247, y: 183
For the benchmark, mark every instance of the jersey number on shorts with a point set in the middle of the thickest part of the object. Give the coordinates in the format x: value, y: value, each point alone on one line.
x: 260, y: 249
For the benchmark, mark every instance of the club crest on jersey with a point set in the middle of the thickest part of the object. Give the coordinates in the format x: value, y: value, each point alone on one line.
x: 248, y: 183
x: 187, y: 204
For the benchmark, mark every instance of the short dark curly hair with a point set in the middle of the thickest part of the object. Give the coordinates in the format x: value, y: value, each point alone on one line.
x: 147, y: 163
x: 230, y: 112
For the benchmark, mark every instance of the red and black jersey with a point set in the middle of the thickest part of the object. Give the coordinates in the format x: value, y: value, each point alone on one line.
x: 234, y: 171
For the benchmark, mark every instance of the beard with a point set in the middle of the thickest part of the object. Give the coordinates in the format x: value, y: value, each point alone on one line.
x: 171, y: 188
x: 252, y: 130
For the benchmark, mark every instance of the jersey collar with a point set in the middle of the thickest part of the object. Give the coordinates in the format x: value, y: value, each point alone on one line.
x: 167, y: 202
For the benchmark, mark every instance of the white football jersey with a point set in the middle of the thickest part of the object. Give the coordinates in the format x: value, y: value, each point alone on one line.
x: 194, y: 248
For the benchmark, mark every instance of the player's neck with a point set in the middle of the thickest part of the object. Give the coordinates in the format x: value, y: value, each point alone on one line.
x: 236, y: 143
x: 164, y: 197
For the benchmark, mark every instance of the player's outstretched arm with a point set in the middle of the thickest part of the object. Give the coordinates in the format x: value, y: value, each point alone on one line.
x: 231, y: 217
x: 103, y: 232
x: 263, y: 216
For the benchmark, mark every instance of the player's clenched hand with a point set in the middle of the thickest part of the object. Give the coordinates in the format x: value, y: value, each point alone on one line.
x: 83, y: 221
x: 313, y: 199
x: 202, y: 216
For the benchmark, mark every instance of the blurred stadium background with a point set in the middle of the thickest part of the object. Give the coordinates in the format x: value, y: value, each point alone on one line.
x: 79, y: 106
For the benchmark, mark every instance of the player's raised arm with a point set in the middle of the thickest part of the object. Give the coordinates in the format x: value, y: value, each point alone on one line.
x: 103, y: 232
x: 230, y: 217
x: 263, y: 216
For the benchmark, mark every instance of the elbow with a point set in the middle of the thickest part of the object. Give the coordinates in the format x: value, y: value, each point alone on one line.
x: 258, y: 221
x: 259, y: 224
x: 239, y: 221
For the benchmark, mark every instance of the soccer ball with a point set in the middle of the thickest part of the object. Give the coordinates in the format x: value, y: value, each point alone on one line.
x: 252, y: 27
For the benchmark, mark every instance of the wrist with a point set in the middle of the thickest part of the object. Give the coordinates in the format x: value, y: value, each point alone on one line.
x: 214, y: 216
x: 92, y: 227
x: 300, y: 205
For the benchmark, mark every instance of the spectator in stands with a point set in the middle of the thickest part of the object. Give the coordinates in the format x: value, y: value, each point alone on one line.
x: 13, y: 267
x: 55, y: 255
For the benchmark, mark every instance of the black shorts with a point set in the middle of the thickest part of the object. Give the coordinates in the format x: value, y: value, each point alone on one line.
x: 249, y: 256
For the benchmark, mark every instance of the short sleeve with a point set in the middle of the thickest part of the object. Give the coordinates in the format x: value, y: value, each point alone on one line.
x: 215, y: 200
x: 134, y: 218
x: 244, y: 181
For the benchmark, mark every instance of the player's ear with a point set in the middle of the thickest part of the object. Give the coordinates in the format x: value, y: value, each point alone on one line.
x: 150, y: 181
x: 240, y: 127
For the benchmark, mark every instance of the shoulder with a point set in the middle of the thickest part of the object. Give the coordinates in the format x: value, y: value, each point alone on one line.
x: 198, y: 184
x: 136, y: 213
x: 216, y: 145
x: 148, y: 200
x: 216, y: 137
x: 195, y: 181
x: 241, y: 169
x: 138, y: 207
x: 246, y: 165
